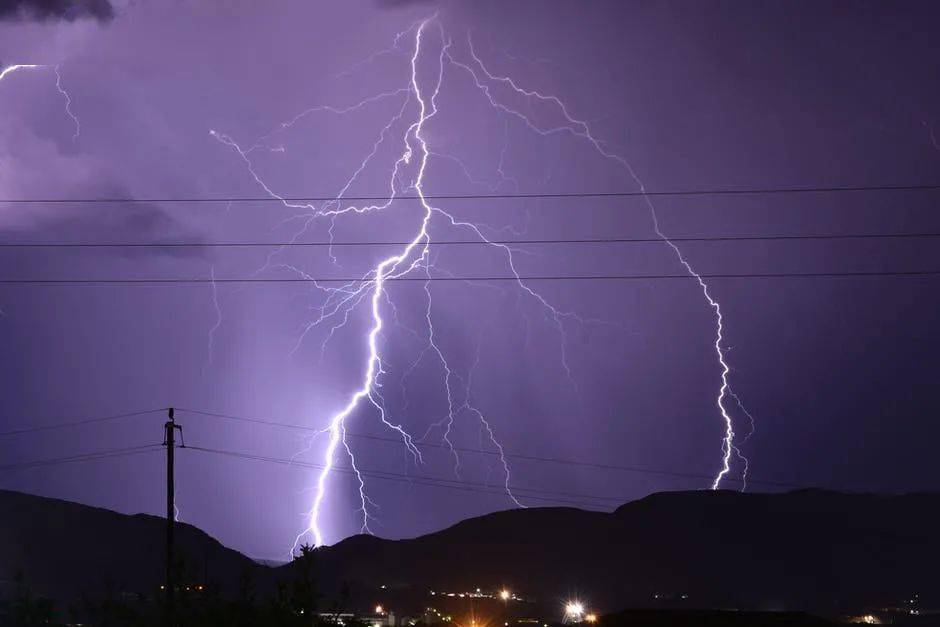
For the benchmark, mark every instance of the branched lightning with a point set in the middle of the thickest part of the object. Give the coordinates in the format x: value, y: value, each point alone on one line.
x: 418, y: 107
x: 68, y: 103
x: 390, y: 267
x: 483, y: 78
x: 218, y: 315
x: 340, y: 302
x: 10, y: 69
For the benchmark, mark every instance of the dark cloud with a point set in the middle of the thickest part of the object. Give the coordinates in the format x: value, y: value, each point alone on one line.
x: 121, y: 223
x: 131, y: 222
x: 45, y: 10
x: 111, y: 222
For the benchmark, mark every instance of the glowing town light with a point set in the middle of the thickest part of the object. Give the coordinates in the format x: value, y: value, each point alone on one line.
x: 379, y: 609
x: 574, y: 612
x: 505, y: 595
x: 590, y: 618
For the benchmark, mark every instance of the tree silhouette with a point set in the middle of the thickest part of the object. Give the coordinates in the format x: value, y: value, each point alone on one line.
x: 304, y: 594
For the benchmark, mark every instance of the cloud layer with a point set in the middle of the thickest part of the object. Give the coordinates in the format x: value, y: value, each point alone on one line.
x: 46, y: 10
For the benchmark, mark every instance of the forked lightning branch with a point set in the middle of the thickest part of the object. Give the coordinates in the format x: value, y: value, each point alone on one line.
x: 419, y: 95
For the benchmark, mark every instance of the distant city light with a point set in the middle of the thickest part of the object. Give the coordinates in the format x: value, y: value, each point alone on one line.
x: 379, y: 609
x: 590, y: 618
x: 505, y: 595
x: 574, y: 611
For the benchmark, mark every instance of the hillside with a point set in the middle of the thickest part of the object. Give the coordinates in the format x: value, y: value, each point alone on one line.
x: 805, y: 550
x: 812, y: 550
x: 65, y: 549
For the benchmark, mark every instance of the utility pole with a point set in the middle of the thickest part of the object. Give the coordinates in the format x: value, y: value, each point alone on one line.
x: 169, y: 441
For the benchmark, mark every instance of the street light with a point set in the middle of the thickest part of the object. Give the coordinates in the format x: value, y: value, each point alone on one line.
x: 505, y: 594
x: 574, y: 612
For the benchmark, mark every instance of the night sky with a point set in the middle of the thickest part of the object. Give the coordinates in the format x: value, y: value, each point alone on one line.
x: 838, y: 373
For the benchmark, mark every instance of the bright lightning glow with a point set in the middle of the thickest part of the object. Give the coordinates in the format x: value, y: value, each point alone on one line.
x: 413, y: 257
x: 15, y: 68
x: 10, y: 69
x: 387, y: 268
x: 408, y: 176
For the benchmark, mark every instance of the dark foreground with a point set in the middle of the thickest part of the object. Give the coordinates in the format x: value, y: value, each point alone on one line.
x: 703, y: 618
x: 828, y: 553
x: 709, y: 618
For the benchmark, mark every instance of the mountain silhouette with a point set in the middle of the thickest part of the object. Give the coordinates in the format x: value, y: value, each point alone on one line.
x: 65, y: 550
x: 804, y: 550
x: 808, y: 549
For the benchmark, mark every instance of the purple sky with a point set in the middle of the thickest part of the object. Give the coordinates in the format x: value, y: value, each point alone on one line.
x: 838, y: 373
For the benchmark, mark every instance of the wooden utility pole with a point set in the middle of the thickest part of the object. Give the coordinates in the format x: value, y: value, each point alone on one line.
x: 169, y: 440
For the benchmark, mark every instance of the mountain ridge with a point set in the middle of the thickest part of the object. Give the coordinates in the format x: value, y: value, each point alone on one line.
x: 807, y: 549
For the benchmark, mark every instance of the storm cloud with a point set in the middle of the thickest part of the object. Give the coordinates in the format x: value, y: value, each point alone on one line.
x: 49, y: 10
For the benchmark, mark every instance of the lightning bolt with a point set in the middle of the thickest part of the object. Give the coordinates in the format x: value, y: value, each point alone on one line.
x: 408, y: 175
x: 415, y: 256
x: 218, y: 315
x: 11, y: 69
x: 483, y: 78
x: 388, y: 268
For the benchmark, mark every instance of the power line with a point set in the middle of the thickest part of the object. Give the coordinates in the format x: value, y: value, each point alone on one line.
x: 610, y: 194
x: 260, y: 421
x: 386, y: 474
x: 106, y: 454
x: 503, y: 242
x: 76, y: 423
x: 545, y: 459
x: 537, y: 458
x: 594, y: 277
x: 453, y: 484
